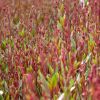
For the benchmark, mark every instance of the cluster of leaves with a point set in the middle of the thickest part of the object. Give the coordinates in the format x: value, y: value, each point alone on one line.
x: 49, y: 49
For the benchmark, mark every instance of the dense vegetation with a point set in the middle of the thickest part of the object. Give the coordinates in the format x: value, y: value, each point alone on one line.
x: 49, y: 49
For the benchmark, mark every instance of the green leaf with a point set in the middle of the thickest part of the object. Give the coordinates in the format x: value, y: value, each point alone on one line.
x: 33, y: 32
x: 54, y: 79
x: 76, y: 64
x: 7, y: 97
x: 22, y: 32
x: 5, y: 68
x: 1, y: 97
x: 59, y: 26
x: 62, y: 8
x: 55, y: 97
x: 88, y: 57
x: 51, y: 70
x: 73, y: 44
x: 29, y: 69
x: 84, y: 56
x: 16, y: 20
x: 45, y: 83
x: 87, y: 72
x: 66, y: 68
x: 3, y: 44
x: 86, y: 2
x: 78, y: 78
x: 62, y: 19
x: 11, y: 42
x: 95, y: 60
x: 91, y: 43
x: 38, y: 89
x: 71, y: 83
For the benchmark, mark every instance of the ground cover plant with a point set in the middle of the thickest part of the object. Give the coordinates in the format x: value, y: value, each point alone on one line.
x: 49, y: 49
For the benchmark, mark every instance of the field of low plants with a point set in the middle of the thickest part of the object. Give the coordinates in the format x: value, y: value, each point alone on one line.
x: 49, y: 49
